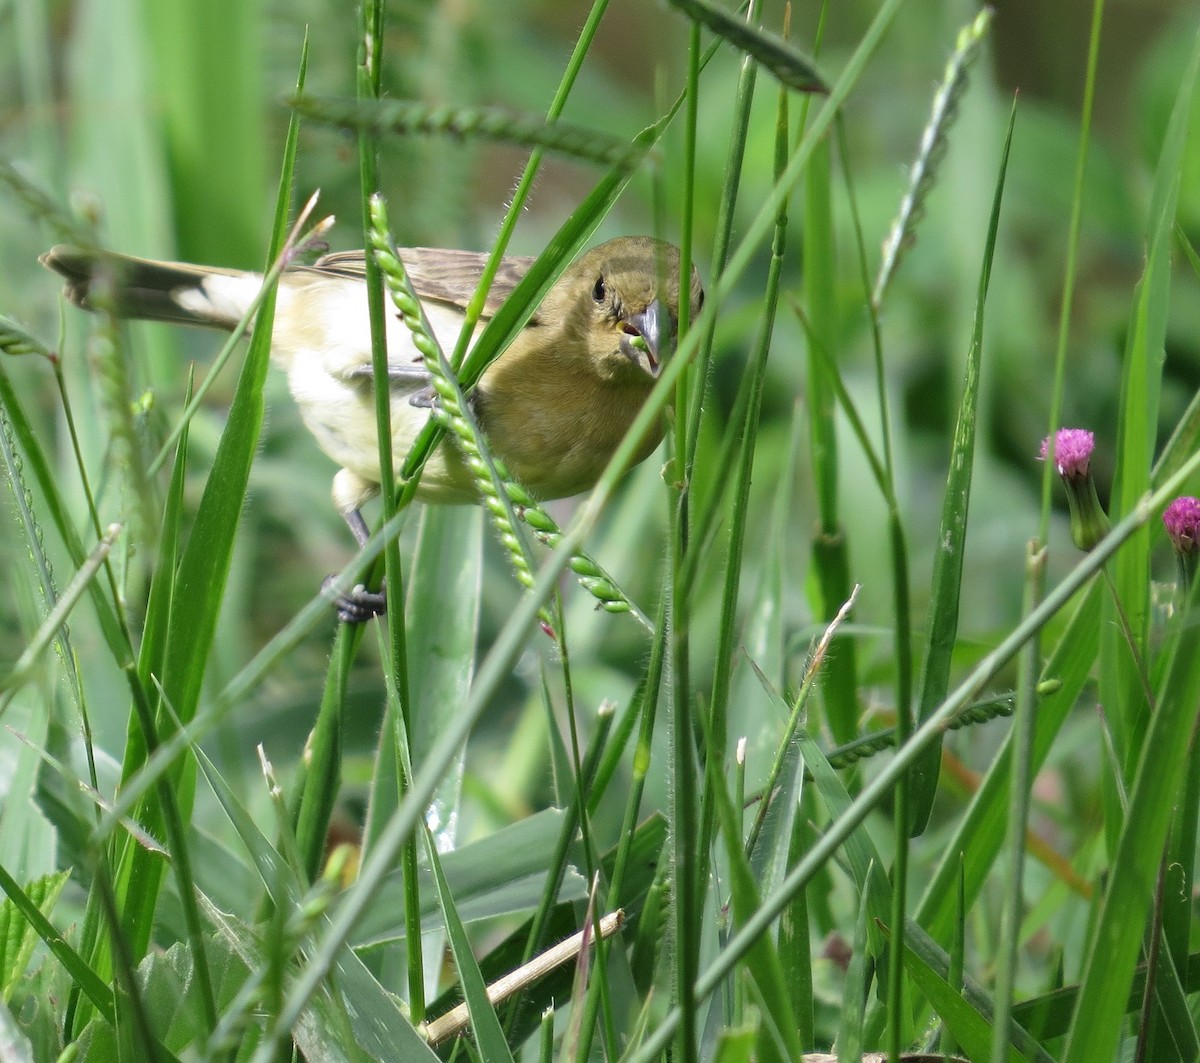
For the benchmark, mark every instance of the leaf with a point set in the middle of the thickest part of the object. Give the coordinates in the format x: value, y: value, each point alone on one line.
x: 789, y: 66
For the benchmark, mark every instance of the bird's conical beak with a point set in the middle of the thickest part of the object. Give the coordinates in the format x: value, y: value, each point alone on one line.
x: 647, y: 338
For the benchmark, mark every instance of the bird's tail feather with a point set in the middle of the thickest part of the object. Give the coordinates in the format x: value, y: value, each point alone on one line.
x: 153, y: 291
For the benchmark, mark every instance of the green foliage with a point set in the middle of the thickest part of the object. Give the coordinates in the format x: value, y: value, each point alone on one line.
x: 881, y: 763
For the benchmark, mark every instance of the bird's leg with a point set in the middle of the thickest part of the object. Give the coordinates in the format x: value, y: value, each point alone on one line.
x: 358, y: 605
x: 358, y: 526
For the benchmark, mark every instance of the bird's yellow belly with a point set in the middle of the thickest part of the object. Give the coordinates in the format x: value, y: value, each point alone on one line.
x: 341, y: 417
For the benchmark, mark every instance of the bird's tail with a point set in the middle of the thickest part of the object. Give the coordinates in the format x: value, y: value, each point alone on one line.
x: 153, y: 291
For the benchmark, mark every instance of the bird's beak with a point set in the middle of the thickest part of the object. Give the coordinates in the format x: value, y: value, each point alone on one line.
x: 647, y: 336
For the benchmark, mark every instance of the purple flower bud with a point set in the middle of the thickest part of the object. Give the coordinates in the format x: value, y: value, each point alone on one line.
x: 1072, y: 452
x: 1072, y: 457
x: 1182, y: 521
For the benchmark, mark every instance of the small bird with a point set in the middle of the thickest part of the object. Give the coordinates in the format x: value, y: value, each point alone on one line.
x: 554, y: 405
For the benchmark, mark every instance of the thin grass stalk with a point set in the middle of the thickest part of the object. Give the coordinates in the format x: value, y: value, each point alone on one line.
x: 946, y: 1042
x: 200, y: 577
x: 818, y: 255
x: 932, y: 150
x: 485, y: 1024
x: 779, y: 1037
x: 131, y: 1017
x: 812, y: 672
x: 710, y: 507
x: 583, y: 772
x: 1019, y: 803
x: 795, y: 948
x: 83, y: 978
x: 946, y: 588
x: 491, y: 478
x: 686, y: 219
x: 902, y: 809
x: 1181, y: 862
x: 1138, y: 414
x: 370, y: 88
x: 181, y: 865
x: 375, y: 118
x: 1071, y: 265
x: 739, y: 435
x: 740, y: 505
x: 19, y: 447
x: 495, y: 669
x: 932, y: 147
x: 850, y: 1028
x: 688, y: 891
x: 238, y: 689
x: 58, y: 606
x: 574, y: 811
x: 524, y: 187
x: 613, y: 756
x: 109, y: 361
x: 1119, y: 929
x: 639, y: 768
x: 1152, y: 1024
x: 734, y: 160
x: 511, y: 638
x: 576, y: 815
x: 320, y: 780
x: 1147, y: 509
x: 569, y: 236
x: 830, y: 560
x: 685, y: 909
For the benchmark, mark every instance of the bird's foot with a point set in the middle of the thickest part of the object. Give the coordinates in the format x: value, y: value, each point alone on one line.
x: 425, y: 399
x: 357, y: 605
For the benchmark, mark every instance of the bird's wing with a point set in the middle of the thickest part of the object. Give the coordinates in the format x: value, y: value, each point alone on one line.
x: 442, y: 275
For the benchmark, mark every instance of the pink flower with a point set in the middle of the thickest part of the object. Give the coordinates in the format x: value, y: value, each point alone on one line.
x: 1072, y: 457
x: 1182, y: 521
x: 1072, y: 452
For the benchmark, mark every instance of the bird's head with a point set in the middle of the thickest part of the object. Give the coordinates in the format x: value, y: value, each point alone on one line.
x: 623, y: 298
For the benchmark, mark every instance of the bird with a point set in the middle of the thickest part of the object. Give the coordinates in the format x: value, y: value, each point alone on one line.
x: 554, y: 405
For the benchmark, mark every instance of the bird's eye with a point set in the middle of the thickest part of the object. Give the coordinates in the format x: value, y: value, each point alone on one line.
x: 600, y: 291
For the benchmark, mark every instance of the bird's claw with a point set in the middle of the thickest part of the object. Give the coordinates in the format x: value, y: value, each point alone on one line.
x: 425, y: 399
x: 357, y: 605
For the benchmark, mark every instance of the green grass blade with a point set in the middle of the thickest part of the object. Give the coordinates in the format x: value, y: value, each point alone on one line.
x: 763, y: 963
x: 489, y: 1036
x: 971, y: 1029
x: 785, y: 62
x: 410, y: 117
x: 945, y: 594
x: 980, y: 834
x: 858, y: 983
x: 203, y: 567
x: 1108, y: 972
x: 1141, y: 383
x: 97, y: 990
